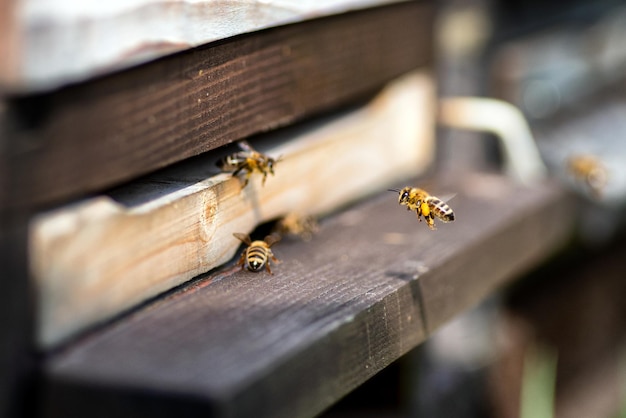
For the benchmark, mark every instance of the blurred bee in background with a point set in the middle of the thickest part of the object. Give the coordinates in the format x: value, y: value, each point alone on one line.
x: 258, y: 254
x: 297, y: 225
x: 590, y: 171
x: 248, y: 160
x: 424, y: 205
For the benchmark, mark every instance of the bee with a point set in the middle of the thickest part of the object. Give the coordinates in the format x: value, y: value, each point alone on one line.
x: 258, y: 253
x: 590, y: 171
x: 298, y: 225
x: 247, y: 160
x: 424, y: 205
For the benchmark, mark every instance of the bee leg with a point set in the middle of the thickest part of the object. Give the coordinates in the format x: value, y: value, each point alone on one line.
x: 430, y: 220
x: 244, y: 181
x: 264, y: 178
x: 242, y: 260
x: 267, y: 267
x: 236, y: 174
x: 275, y: 260
x: 247, y: 178
x: 238, y: 169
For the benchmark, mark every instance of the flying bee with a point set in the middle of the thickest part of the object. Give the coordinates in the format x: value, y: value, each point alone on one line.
x: 424, y: 205
x: 590, y: 171
x: 297, y: 225
x: 258, y: 253
x: 248, y: 160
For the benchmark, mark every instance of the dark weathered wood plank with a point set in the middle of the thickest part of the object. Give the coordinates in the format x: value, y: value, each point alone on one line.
x: 17, y: 351
x: 372, y: 285
x: 91, y: 136
x: 16, y: 302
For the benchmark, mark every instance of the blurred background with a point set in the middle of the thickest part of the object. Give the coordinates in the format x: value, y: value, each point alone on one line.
x: 552, y: 344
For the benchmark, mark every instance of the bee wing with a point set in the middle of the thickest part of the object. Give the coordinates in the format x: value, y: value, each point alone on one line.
x: 245, y: 238
x: 448, y: 197
x: 272, y: 239
x: 245, y: 145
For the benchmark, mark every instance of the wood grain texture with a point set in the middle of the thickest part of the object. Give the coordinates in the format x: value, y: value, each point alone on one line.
x: 96, y: 258
x: 92, y: 136
x: 364, y: 291
x: 102, y: 37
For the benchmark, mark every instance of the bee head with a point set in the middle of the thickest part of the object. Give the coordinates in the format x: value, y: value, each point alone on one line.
x: 272, y: 161
x: 270, y: 164
x: 404, y: 196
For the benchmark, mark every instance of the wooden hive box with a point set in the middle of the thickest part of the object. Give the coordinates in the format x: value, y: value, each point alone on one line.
x: 117, y: 228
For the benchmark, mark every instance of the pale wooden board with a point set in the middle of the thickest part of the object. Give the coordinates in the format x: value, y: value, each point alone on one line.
x: 98, y: 257
x: 39, y: 36
x: 370, y: 286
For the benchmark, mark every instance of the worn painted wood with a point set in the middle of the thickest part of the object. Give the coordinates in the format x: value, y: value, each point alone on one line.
x: 371, y: 285
x: 96, y: 258
x: 88, y: 137
x: 101, y: 37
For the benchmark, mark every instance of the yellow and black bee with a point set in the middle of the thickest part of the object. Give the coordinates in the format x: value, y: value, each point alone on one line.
x: 297, y: 225
x: 258, y: 253
x: 248, y: 161
x: 424, y: 205
x: 590, y: 171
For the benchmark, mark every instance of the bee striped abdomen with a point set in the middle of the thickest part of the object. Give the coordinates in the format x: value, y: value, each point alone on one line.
x: 256, y: 257
x: 258, y: 254
x: 230, y: 162
x: 441, y: 209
